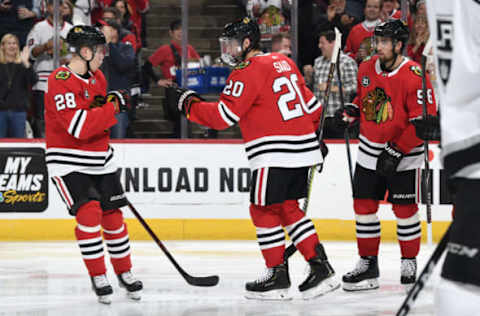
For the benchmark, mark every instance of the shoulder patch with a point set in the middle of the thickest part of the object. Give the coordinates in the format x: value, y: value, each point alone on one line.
x: 243, y: 64
x: 62, y: 75
x: 416, y: 70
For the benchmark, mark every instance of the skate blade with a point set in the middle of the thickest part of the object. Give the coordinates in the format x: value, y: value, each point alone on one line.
x: 407, y: 287
x: 105, y: 299
x: 273, y: 295
x: 365, y: 285
x: 326, y: 286
x: 136, y: 296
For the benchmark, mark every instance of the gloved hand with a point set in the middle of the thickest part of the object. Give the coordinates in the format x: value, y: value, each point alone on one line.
x: 324, y: 151
x: 388, y: 160
x: 120, y: 99
x: 98, y: 101
x: 185, y: 98
x: 427, y: 128
x: 348, y: 116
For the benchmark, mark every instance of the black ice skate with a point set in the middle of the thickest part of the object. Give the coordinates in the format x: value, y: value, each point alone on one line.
x: 102, y: 288
x: 408, y: 273
x: 364, y: 276
x: 273, y: 285
x: 321, y: 278
x: 133, y: 286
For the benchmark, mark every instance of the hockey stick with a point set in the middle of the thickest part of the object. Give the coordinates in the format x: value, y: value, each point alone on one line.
x: 426, y: 176
x: 333, y: 60
x: 192, y: 280
x: 407, y: 304
x: 345, y: 134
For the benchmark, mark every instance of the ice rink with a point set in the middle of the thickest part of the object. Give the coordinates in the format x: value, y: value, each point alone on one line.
x: 41, y: 279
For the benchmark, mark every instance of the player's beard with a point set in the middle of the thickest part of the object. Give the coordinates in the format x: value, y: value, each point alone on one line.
x: 387, y: 63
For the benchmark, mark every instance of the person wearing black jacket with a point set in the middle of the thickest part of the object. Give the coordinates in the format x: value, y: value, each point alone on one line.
x: 117, y: 67
x: 17, y: 76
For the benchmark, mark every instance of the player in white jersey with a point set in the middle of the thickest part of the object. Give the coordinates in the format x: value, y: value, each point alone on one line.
x: 455, y: 33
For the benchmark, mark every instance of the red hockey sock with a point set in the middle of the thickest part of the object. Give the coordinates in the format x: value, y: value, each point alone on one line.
x: 88, y: 237
x: 409, y: 231
x: 270, y: 234
x: 367, y: 226
x: 116, y: 237
x: 300, y: 229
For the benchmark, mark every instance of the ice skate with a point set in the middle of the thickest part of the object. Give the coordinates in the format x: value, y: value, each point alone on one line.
x: 102, y: 288
x: 274, y: 285
x: 364, y: 276
x: 408, y: 273
x: 321, y: 278
x: 133, y: 286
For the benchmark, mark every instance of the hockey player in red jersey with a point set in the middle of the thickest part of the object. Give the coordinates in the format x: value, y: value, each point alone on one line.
x: 277, y: 114
x: 78, y: 115
x: 389, y: 98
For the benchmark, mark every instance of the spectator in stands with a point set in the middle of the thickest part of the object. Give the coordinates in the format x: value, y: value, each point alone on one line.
x: 125, y: 36
x: 66, y: 10
x: 318, y: 75
x: 40, y: 44
x: 336, y: 16
x: 355, y: 8
x: 282, y: 43
x: 271, y: 15
x: 418, y: 38
x: 363, y: 30
x: 17, y: 76
x: 16, y: 17
x: 117, y: 67
x: 168, y: 57
x: 365, y: 50
x: 390, y: 11
x: 420, y: 8
x: 131, y: 14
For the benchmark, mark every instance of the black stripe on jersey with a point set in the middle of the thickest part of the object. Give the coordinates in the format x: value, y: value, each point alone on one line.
x: 93, y: 252
x: 418, y: 153
x: 79, y: 118
x: 82, y: 164
x: 117, y: 252
x: 95, y: 243
x: 233, y: 120
x: 370, y: 146
x: 366, y: 152
x: 303, y: 232
x: 55, y: 153
x: 298, y: 225
x: 109, y: 157
x: 313, y: 105
x: 371, y: 232
x: 283, y: 150
x: 368, y: 224
x: 269, y: 142
x: 409, y: 234
x: 408, y: 226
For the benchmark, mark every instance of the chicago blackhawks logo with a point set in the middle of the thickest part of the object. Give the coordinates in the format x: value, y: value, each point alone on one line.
x: 377, y: 106
x: 62, y: 75
x: 242, y: 65
x: 416, y: 70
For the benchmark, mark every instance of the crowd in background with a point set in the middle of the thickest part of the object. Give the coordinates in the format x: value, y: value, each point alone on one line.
x: 26, y: 52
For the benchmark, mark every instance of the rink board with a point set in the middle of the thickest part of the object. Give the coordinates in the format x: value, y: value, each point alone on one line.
x: 197, y: 189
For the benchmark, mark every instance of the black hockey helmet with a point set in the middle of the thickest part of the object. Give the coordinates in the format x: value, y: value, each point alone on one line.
x: 394, y: 29
x: 84, y: 35
x: 239, y: 31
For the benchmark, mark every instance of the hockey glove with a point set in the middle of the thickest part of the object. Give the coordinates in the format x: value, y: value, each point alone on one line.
x: 120, y: 100
x: 348, y: 116
x: 388, y: 160
x: 427, y: 128
x: 98, y: 101
x: 185, y: 99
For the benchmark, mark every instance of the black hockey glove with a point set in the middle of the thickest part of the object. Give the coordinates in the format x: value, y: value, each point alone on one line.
x: 427, y: 128
x: 348, y: 116
x: 388, y: 160
x: 185, y: 99
x: 98, y: 101
x: 120, y: 99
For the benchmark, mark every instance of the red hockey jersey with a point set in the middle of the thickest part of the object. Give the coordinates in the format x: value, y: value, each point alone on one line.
x: 77, y: 136
x: 356, y: 36
x: 277, y: 114
x: 388, y: 101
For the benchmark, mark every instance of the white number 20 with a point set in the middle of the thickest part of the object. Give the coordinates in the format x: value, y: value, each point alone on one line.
x: 289, y: 96
x: 66, y: 100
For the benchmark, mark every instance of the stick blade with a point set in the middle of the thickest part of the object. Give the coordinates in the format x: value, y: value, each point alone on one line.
x: 202, y: 281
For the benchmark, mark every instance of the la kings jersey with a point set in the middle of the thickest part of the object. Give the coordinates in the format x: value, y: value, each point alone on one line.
x: 267, y: 96
x: 455, y: 33
x: 77, y: 137
x: 40, y: 34
x: 388, y: 101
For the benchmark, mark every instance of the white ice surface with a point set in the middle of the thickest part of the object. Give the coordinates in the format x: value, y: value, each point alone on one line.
x: 38, y: 278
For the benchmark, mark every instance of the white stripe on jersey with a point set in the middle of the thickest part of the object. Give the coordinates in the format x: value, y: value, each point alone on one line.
x: 227, y: 115
x: 76, y: 124
x: 312, y: 105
